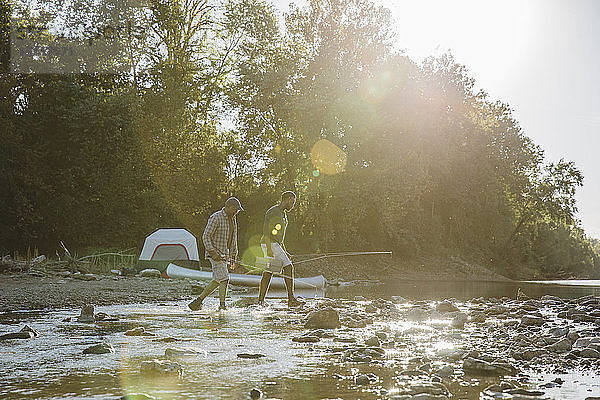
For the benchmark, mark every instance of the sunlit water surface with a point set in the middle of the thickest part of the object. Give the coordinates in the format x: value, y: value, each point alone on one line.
x: 52, y: 365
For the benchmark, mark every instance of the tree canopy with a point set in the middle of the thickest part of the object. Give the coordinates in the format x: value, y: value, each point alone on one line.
x: 183, y: 103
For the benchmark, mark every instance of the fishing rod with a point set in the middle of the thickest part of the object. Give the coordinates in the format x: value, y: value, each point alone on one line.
x: 254, y: 268
x: 345, y: 254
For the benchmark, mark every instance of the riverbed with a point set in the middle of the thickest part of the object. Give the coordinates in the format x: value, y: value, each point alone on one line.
x: 416, y: 339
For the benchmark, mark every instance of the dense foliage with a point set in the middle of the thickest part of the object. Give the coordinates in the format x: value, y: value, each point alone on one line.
x: 213, y: 100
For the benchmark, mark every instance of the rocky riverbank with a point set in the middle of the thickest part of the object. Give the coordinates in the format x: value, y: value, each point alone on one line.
x: 382, y: 348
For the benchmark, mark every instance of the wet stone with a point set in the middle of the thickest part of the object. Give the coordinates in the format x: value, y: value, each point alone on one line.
x: 137, y: 396
x: 182, y: 352
x: 371, y: 309
x: 532, y: 320
x: 25, y: 333
x: 445, y: 372
x: 252, y: 356
x: 373, y: 341
x: 362, y: 380
x: 306, y: 339
x: 446, y: 306
x: 327, y: 318
x: 255, y: 394
x: 87, y: 314
x: 561, y: 346
x: 161, y: 367
x: 478, y: 367
x: 459, y: 320
x: 100, y: 348
x: 344, y: 339
x: 589, y: 353
x: 139, y: 331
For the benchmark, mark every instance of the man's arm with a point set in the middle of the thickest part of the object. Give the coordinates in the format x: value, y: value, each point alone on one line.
x: 234, y: 244
x: 211, y: 227
x: 267, y: 235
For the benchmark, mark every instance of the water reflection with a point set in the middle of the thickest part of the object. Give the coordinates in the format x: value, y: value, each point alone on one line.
x: 461, y: 290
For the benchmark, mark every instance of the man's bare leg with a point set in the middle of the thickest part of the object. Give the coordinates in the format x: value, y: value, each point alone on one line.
x: 197, y: 304
x: 264, y: 286
x: 288, y: 278
x: 223, y: 293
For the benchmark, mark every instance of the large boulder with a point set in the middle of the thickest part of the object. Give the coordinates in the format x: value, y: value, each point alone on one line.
x: 326, y: 318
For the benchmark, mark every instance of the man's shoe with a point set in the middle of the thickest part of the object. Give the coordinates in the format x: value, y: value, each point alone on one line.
x: 196, y: 304
x: 294, y: 302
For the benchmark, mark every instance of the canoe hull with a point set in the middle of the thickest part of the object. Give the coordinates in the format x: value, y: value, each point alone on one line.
x: 175, y: 271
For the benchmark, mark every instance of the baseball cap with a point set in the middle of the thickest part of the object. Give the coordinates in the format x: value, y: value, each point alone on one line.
x: 233, y: 201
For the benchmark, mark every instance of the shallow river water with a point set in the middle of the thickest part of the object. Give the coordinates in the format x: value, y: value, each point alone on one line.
x: 52, y: 365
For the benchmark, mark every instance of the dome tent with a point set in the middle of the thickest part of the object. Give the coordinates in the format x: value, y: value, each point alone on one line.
x: 166, y: 246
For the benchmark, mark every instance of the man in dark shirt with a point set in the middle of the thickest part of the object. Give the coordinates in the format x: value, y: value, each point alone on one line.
x: 272, y: 243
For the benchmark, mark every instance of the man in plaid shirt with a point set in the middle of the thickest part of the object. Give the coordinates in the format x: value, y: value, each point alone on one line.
x: 220, y: 242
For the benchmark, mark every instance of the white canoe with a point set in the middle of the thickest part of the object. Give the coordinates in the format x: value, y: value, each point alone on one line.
x: 175, y: 271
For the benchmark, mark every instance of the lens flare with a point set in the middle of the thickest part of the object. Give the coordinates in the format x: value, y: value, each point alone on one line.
x: 278, y: 226
x: 274, y: 231
x: 327, y: 158
x: 377, y: 87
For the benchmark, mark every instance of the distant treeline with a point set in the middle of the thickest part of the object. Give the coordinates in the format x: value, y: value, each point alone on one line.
x: 152, y: 116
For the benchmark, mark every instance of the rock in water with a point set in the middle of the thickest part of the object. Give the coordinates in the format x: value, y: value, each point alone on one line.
x: 561, y: 346
x: 87, y: 314
x: 476, y: 367
x: 161, y: 367
x: 139, y: 331
x: 150, y: 273
x: 25, y: 333
x: 327, y: 318
x: 101, y: 348
x: 306, y: 339
x: 362, y: 380
x: 532, y: 320
x: 250, y: 355
x: 245, y: 302
x: 373, y: 341
x: 255, y: 394
x: 446, y: 306
x: 137, y: 396
x: 589, y: 353
x: 182, y: 352
x: 459, y: 320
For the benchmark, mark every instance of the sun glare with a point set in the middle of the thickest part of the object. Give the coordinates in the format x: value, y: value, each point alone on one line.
x: 491, y: 36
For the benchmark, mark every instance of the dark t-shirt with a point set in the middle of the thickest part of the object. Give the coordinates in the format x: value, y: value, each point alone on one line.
x: 275, y: 224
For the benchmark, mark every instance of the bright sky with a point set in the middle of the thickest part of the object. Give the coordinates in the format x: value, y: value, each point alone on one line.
x: 540, y: 56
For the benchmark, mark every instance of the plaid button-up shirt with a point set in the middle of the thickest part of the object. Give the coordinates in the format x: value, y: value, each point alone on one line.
x: 216, y: 235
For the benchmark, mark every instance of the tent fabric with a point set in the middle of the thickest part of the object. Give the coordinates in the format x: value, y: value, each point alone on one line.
x: 170, y: 244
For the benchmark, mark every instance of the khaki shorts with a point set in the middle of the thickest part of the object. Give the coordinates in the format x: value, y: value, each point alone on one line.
x: 280, y: 258
x: 219, y: 270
